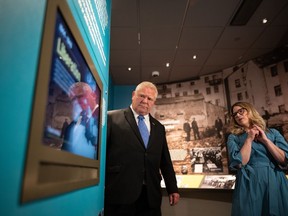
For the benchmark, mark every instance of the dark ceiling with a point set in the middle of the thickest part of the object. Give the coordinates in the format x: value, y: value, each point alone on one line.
x: 146, y: 34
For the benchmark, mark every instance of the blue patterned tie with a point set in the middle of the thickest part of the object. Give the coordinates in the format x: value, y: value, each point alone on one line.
x: 143, y: 130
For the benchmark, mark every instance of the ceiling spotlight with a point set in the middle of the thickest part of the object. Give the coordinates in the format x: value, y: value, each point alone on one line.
x: 264, y: 21
x: 194, y: 56
x: 129, y: 68
x: 167, y: 64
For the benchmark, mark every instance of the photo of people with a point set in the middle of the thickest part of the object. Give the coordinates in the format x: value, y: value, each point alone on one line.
x: 195, y: 131
x: 80, y: 136
x: 218, y: 182
x: 73, y: 102
x: 72, y: 120
x: 196, y: 116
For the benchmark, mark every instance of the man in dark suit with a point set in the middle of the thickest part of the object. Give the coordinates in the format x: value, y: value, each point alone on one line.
x: 187, y: 129
x: 81, y: 135
x: 195, y: 129
x: 134, y: 171
x: 219, y: 127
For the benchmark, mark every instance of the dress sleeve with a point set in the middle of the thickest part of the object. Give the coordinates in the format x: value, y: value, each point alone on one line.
x: 280, y: 141
x: 234, y: 155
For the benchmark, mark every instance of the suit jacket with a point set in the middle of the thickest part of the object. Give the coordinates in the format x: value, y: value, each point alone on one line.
x: 129, y: 163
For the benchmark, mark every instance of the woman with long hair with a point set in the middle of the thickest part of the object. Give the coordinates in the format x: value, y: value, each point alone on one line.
x: 259, y: 154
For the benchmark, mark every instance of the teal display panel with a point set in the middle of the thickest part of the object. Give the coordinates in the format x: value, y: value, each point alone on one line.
x: 94, y: 17
x: 65, y: 133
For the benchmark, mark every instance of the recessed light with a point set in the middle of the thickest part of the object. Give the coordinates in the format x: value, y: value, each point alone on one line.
x: 194, y: 56
x: 167, y: 64
x: 129, y: 68
x: 264, y: 21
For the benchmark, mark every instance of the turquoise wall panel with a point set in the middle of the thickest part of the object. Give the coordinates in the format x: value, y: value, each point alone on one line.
x: 97, y: 38
x: 122, y: 96
x: 21, y: 24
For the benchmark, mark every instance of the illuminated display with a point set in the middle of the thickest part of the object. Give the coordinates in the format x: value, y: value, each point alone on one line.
x: 64, y: 150
x: 72, y: 111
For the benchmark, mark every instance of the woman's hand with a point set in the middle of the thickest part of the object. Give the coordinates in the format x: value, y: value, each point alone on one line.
x: 260, y: 135
x: 253, y: 133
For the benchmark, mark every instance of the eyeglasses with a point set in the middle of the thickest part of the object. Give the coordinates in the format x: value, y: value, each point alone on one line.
x: 240, y: 111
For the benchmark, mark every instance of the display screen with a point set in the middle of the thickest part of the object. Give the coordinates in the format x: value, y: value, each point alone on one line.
x: 73, y: 106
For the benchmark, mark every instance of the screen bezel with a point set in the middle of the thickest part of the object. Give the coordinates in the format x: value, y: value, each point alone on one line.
x: 48, y: 171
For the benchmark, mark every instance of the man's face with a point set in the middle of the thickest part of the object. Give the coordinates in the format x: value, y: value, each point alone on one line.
x: 143, y: 100
x: 84, y: 101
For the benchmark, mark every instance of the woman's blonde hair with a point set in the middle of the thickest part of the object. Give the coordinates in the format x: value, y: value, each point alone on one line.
x: 253, y: 115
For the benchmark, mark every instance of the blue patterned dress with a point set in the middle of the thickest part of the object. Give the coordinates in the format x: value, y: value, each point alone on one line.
x: 261, y: 186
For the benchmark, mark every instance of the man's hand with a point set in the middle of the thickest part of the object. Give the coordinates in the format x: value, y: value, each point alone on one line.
x: 174, y: 198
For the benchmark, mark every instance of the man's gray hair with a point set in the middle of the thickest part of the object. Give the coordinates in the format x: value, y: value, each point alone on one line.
x: 146, y: 84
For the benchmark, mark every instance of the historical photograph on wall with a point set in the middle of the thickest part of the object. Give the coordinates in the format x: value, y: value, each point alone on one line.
x: 218, y: 182
x: 196, y: 115
x: 195, y: 125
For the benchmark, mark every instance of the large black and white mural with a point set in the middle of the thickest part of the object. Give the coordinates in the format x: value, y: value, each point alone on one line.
x: 196, y: 115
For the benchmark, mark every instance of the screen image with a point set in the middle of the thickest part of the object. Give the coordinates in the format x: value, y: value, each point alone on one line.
x: 73, y: 107
x: 64, y: 144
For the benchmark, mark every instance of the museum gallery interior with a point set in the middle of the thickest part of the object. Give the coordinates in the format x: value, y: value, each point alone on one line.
x: 203, y: 56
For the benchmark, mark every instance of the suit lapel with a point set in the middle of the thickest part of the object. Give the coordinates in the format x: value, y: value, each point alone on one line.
x: 152, y: 130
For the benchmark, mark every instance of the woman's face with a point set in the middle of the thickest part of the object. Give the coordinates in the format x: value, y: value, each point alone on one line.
x: 240, y: 115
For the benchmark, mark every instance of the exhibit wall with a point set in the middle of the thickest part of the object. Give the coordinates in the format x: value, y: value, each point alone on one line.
x: 21, y: 37
x: 196, y: 117
x: 206, y: 181
x: 120, y: 96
